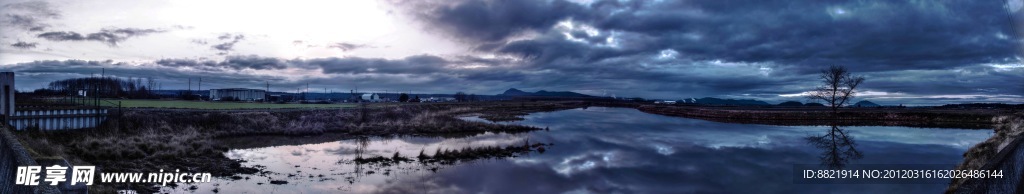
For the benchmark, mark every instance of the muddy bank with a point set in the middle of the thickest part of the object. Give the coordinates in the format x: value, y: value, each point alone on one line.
x: 917, y: 117
x: 1008, y: 128
x: 452, y: 156
x: 514, y: 111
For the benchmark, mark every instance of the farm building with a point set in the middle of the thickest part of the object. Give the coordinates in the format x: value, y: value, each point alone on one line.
x: 237, y: 94
x: 370, y: 97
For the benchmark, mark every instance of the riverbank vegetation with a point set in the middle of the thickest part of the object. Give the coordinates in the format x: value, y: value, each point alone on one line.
x: 909, y: 117
x: 145, y: 140
x: 451, y: 156
x: 1008, y: 129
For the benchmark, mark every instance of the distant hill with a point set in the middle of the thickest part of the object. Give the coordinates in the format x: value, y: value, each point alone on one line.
x: 742, y: 102
x: 984, y: 105
x: 865, y: 103
x: 517, y: 92
x: 814, y: 104
x: 791, y: 103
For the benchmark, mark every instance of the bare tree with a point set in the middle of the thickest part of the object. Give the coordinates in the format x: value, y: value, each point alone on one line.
x: 837, y: 87
x: 460, y: 96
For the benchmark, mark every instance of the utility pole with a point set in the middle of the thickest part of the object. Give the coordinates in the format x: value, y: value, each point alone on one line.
x: 103, y: 75
x: 96, y: 98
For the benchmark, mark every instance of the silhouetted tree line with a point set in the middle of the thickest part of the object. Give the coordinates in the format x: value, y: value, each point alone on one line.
x: 105, y: 87
x: 463, y: 97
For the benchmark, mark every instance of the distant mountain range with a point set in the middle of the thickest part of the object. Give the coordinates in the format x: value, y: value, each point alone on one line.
x: 512, y: 92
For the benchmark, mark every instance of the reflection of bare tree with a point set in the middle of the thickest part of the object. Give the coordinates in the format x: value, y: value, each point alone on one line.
x: 361, y: 144
x: 838, y: 148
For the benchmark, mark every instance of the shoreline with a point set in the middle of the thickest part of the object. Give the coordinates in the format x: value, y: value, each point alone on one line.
x: 149, y: 140
x: 913, y: 117
x: 152, y: 139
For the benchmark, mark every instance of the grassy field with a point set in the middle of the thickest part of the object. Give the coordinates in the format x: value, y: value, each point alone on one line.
x: 217, y: 105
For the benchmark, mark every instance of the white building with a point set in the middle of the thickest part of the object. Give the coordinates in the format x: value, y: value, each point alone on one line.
x: 370, y: 97
x: 242, y: 94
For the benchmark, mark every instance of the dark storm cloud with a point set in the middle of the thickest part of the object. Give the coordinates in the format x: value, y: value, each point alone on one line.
x: 190, y: 63
x: 433, y: 74
x: 230, y: 62
x: 876, y: 36
x: 24, y: 45
x: 489, y: 21
x: 31, y: 16
x: 616, y: 44
x: 110, y: 36
x: 419, y: 64
x: 62, y: 36
x: 978, y: 79
x: 254, y: 62
x: 347, y: 46
x: 229, y: 44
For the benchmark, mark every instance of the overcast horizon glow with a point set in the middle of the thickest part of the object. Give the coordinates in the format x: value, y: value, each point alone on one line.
x: 913, y: 53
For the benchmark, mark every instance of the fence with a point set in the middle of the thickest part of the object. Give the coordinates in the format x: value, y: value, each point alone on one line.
x: 59, y: 119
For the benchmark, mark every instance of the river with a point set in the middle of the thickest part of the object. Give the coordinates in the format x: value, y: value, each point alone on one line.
x: 605, y: 150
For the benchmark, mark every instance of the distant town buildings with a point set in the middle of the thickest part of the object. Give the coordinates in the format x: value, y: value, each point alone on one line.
x: 237, y: 94
x: 438, y: 99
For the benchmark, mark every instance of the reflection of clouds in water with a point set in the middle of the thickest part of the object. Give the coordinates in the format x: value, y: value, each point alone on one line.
x: 411, y: 146
x: 427, y: 185
x: 249, y: 154
x: 626, y: 151
x: 340, y: 150
x: 500, y: 176
x: 578, y: 163
x: 955, y: 138
x: 596, y: 159
x: 631, y: 125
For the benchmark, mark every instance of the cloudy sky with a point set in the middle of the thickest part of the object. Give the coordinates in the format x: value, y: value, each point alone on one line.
x: 911, y: 52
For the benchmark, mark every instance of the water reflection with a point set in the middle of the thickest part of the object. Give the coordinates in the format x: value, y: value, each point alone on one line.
x: 837, y: 146
x: 605, y: 150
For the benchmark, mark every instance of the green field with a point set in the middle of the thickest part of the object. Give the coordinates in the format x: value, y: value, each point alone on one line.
x: 215, y: 105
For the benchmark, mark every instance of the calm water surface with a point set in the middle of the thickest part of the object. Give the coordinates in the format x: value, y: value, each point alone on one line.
x: 604, y: 150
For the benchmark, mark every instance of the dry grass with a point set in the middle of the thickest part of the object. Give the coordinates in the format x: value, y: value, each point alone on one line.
x: 1007, y: 129
x: 155, y: 139
x: 920, y: 117
x: 190, y: 140
x: 451, y: 156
